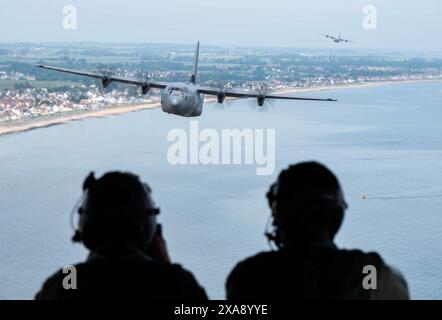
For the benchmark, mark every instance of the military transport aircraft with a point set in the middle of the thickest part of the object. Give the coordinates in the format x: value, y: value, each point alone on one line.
x: 183, y: 99
x: 334, y: 39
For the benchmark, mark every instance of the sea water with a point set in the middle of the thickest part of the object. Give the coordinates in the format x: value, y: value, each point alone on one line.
x: 384, y: 143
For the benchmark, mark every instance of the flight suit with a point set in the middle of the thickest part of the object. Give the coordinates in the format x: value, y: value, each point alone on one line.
x: 129, y: 277
x: 319, y: 272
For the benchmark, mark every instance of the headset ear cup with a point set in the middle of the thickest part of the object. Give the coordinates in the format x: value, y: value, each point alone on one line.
x: 80, y: 211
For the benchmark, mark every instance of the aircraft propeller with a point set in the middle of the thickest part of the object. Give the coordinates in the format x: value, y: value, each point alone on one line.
x: 222, y: 102
x: 107, y: 72
x: 145, y: 87
x: 261, y: 103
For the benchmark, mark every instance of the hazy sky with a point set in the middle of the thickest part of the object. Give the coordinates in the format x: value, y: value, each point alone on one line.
x: 401, y: 24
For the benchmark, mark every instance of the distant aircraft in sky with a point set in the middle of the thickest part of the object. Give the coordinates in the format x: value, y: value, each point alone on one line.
x: 336, y: 39
x: 183, y: 99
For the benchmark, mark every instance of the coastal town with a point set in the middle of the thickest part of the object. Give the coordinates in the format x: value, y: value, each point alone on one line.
x: 27, y: 93
x: 31, y: 103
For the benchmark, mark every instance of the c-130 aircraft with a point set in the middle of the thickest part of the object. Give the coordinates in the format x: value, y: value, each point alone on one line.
x: 183, y: 99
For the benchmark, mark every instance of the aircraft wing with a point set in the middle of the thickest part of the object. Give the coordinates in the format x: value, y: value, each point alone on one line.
x: 106, y: 80
x: 327, y: 36
x: 347, y: 41
x: 239, y: 94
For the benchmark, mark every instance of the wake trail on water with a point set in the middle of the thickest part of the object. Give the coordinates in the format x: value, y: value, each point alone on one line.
x: 401, y: 196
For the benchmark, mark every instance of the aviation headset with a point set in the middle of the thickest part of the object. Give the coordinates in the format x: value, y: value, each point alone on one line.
x: 147, y: 216
x: 319, y: 204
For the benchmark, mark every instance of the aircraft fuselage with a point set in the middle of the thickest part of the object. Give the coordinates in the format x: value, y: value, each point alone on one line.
x: 182, y: 99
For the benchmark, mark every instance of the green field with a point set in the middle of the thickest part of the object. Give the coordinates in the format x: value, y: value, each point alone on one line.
x: 56, y: 59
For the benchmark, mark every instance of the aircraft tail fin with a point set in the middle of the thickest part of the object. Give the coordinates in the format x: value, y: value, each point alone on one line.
x: 195, y: 63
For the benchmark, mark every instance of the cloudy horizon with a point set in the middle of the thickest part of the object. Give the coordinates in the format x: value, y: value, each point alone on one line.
x: 404, y: 26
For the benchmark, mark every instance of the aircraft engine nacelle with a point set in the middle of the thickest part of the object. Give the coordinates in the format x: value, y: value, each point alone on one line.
x: 105, y: 82
x: 145, y: 88
x: 221, y: 96
x: 261, y: 98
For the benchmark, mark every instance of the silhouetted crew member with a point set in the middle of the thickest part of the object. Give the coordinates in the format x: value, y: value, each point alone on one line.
x: 308, y: 208
x: 128, y: 256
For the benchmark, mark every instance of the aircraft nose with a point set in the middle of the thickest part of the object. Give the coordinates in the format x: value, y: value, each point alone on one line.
x: 175, y: 101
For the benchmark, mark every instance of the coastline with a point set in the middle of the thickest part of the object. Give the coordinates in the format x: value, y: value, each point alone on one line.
x: 357, y: 85
x: 62, y: 118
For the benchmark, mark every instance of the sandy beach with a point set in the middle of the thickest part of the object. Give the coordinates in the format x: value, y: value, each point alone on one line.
x: 61, y: 118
